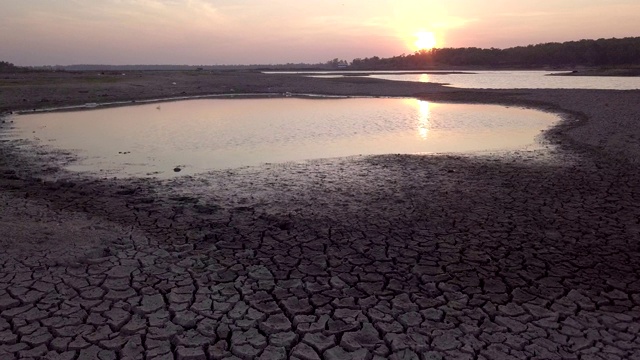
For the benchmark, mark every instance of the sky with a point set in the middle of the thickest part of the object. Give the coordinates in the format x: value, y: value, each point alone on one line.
x: 212, y: 32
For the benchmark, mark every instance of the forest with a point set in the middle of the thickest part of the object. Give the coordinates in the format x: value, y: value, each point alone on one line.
x: 8, y: 67
x: 594, y: 53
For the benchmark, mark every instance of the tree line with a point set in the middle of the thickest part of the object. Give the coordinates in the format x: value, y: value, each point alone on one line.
x: 613, y: 52
x: 7, y: 67
x: 601, y: 52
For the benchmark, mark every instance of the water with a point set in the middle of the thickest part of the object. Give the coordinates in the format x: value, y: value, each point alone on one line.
x: 501, y: 79
x: 362, y: 72
x: 207, y: 134
x: 521, y: 80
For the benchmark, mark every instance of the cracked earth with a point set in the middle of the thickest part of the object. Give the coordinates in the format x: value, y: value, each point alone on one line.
x: 418, y: 270
x: 525, y: 256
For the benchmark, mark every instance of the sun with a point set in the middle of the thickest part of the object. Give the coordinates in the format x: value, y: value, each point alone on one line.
x: 426, y: 40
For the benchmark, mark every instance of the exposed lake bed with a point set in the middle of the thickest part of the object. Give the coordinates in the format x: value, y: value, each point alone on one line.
x: 513, y: 243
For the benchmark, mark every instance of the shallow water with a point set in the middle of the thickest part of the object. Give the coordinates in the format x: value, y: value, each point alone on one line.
x: 522, y: 80
x: 513, y: 80
x: 209, y: 134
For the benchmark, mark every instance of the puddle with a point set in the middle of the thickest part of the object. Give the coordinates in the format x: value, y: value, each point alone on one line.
x: 200, y: 135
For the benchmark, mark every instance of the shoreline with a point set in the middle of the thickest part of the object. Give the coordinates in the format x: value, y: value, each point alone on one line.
x: 32, y: 91
x: 88, y: 106
x: 388, y: 255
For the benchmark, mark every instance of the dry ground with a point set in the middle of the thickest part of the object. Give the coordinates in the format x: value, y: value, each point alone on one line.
x: 519, y: 256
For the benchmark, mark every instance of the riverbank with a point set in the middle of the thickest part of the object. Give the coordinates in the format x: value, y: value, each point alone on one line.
x: 389, y: 256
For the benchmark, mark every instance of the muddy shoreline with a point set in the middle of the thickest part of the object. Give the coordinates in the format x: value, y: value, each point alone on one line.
x: 530, y: 255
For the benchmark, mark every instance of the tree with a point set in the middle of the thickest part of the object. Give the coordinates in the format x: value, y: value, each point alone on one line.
x: 337, y: 63
x: 7, y: 66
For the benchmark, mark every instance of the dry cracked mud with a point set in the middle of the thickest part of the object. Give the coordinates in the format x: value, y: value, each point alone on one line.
x: 528, y: 255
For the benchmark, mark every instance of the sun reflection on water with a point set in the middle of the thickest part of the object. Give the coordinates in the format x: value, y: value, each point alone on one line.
x: 423, y: 119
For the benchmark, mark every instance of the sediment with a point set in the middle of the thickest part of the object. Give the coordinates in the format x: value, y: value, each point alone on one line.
x: 526, y: 255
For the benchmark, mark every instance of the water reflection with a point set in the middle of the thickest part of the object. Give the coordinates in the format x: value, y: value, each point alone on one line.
x: 201, y: 135
x: 424, y: 78
x: 423, y: 119
x: 519, y: 80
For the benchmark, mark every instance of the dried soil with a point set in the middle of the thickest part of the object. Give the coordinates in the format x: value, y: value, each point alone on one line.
x: 527, y: 255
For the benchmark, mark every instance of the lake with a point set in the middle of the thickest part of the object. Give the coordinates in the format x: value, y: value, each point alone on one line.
x: 502, y: 79
x: 200, y: 135
x: 521, y: 80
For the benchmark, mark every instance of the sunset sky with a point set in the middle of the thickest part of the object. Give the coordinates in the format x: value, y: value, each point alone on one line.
x: 203, y: 32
